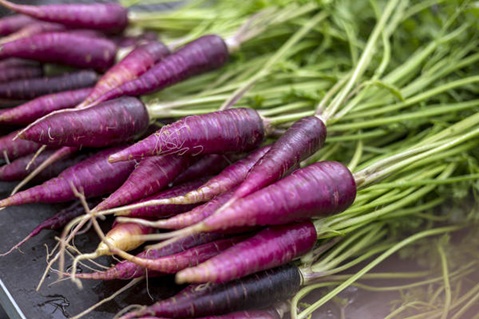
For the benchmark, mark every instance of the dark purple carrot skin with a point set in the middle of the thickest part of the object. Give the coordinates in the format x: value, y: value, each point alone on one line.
x: 72, y: 49
x: 188, y: 258
x: 13, y: 23
x: 94, y: 177
x: 108, y: 17
x: 269, y: 248
x: 16, y: 170
x: 32, y: 29
x: 150, y: 176
x: 15, y: 62
x: 226, y: 180
x: 32, y: 110
x: 202, y: 55
x: 259, y: 290
x: 208, y: 165
x: 232, y: 130
x: 320, y: 189
x: 111, y: 122
x: 301, y: 140
x: 162, y: 211
x: 20, y: 72
x: 13, y: 149
x: 126, y: 270
x: 196, y: 214
x: 32, y: 88
x: 137, y: 62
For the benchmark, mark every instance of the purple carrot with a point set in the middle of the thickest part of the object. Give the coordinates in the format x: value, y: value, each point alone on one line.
x: 13, y: 23
x: 107, y: 17
x: 31, y: 88
x: 151, y: 175
x: 137, y: 62
x: 195, y: 215
x: 187, y: 258
x: 94, y: 177
x: 226, y: 180
x: 204, y: 54
x: 301, y: 140
x: 319, y: 189
x: 15, y: 62
x: 159, y: 211
x: 207, y: 165
x: 271, y: 247
x: 126, y: 270
x: 43, y: 105
x: 261, y: 289
x: 20, y: 72
x: 104, y: 124
x: 56, y: 222
x: 72, y: 49
x: 17, y: 170
x: 32, y: 29
x: 12, y: 149
x: 232, y: 130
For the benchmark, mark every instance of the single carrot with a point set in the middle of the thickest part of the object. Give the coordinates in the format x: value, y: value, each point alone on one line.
x: 31, y: 88
x: 114, y: 121
x: 204, y: 54
x: 149, y: 176
x: 13, y: 23
x: 94, y: 176
x: 188, y: 258
x: 17, y: 169
x: 57, y: 221
x: 43, y: 105
x: 107, y: 17
x: 159, y: 211
x: 125, y: 269
x: 269, y: 248
x: 66, y: 48
x: 261, y: 289
x: 15, y: 62
x: 20, y: 72
x: 232, y: 130
x: 137, y: 62
x: 32, y: 29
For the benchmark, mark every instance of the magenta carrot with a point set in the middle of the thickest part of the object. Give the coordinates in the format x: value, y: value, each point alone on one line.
x: 261, y: 289
x: 11, y: 148
x: 20, y: 72
x: 72, y: 49
x: 137, y: 62
x: 150, y: 175
x: 31, y: 88
x: 232, y: 130
x: 226, y: 180
x: 107, y: 17
x: 271, y: 247
x: 107, y: 123
x: 13, y: 23
x: 32, y: 29
x: 188, y: 258
x: 159, y: 211
x: 126, y: 270
x: 94, y: 176
x: 57, y: 221
x: 17, y: 169
x: 301, y: 140
x: 43, y: 105
x: 207, y: 165
x: 204, y: 54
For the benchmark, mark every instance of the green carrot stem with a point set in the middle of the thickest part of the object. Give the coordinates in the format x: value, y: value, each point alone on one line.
x: 374, y: 263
